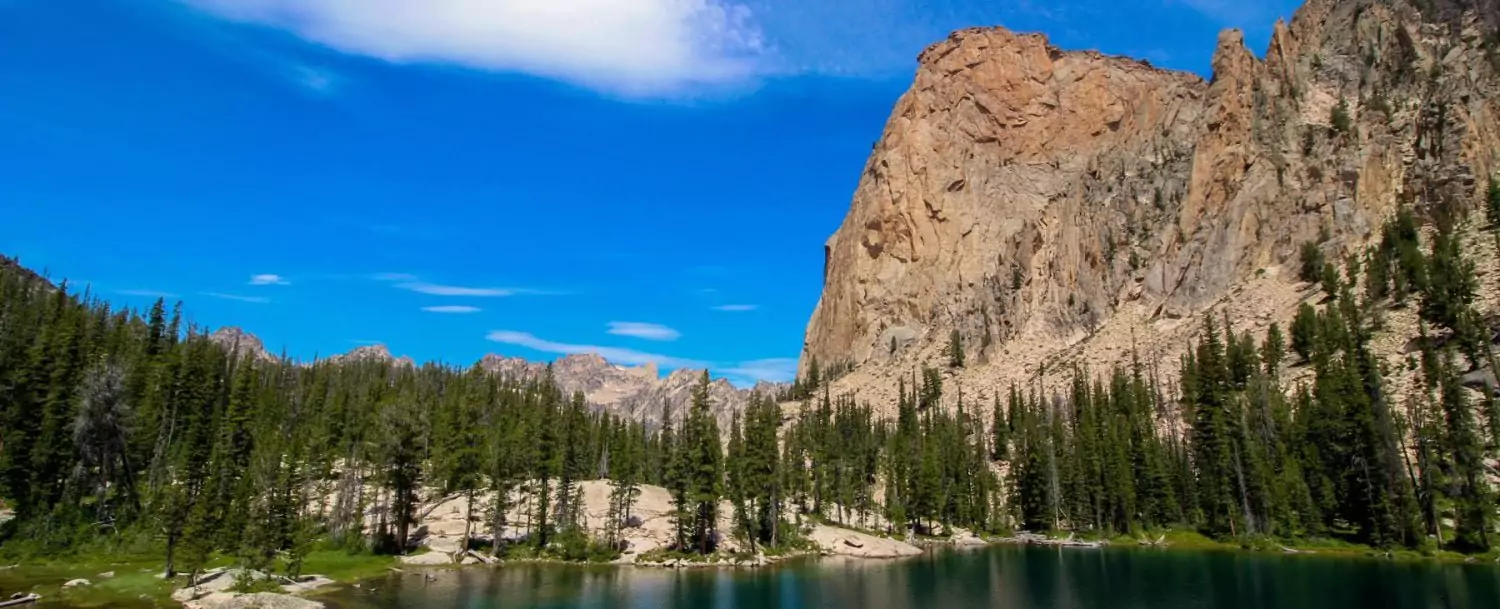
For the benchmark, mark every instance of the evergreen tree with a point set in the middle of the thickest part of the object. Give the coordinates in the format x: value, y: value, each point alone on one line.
x: 1492, y: 203
x: 955, y: 349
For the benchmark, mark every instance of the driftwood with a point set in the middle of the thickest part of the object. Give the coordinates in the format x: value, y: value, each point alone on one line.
x: 21, y: 600
x: 1043, y: 540
x: 1160, y: 542
x: 489, y: 560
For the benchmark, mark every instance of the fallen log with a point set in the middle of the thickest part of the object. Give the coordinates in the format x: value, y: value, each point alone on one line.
x: 23, y: 600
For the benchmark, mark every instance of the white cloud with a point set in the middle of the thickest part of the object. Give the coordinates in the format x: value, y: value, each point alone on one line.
x: 454, y: 290
x: 735, y: 308
x: 643, y: 330
x: 630, y: 47
x: 776, y: 370
x: 147, y: 293
x: 237, y: 297
x: 452, y: 309
x: 629, y: 357
x: 268, y: 279
x: 394, y: 277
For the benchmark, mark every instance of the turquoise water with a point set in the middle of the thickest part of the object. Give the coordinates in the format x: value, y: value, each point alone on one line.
x: 998, y: 577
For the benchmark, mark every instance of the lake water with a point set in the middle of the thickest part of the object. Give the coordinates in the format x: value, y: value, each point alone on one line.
x: 998, y: 577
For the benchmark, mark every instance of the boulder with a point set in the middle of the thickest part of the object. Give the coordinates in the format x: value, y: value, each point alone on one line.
x: 267, y: 600
x: 76, y: 583
x: 428, y: 558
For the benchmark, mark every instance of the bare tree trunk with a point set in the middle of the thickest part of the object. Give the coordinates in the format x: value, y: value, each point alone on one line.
x: 468, y: 519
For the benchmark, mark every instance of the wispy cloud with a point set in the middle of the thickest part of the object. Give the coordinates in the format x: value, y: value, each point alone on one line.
x: 238, y: 297
x: 642, y: 330
x: 742, y: 374
x: 776, y: 370
x: 412, y: 283
x: 628, y: 47
x: 736, y: 308
x: 617, y: 355
x: 452, y: 309
x: 454, y: 290
x: 147, y: 293
x: 317, y: 80
x: 268, y: 279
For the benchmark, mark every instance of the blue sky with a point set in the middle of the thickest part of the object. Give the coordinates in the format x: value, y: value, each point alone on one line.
x: 652, y: 180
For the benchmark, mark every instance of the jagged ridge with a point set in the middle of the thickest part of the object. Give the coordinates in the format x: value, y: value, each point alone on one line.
x: 1048, y: 204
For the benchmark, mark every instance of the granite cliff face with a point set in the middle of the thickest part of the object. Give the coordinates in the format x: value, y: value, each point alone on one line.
x: 1042, y: 202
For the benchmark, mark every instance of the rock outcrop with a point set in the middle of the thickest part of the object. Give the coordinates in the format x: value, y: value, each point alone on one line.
x: 241, y: 344
x: 1042, y: 202
x: 371, y: 353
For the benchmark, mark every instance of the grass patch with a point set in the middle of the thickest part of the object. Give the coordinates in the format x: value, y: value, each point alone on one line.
x: 344, y: 566
x: 134, y: 583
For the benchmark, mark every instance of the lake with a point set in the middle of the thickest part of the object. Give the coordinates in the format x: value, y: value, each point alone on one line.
x: 1002, y: 576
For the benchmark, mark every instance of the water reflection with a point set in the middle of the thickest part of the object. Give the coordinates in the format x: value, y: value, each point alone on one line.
x: 1002, y: 577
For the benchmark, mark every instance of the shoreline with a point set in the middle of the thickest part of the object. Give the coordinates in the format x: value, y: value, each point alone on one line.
x: 361, y: 569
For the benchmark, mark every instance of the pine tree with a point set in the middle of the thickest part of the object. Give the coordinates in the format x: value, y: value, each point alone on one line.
x: 1492, y: 203
x: 1474, y: 505
x: 1000, y: 430
x: 955, y: 349
x: 1273, y: 350
x: 703, y: 469
x: 1305, y: 327
x: 1310, y: 258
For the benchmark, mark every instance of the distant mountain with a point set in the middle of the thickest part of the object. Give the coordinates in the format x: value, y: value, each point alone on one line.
x: 371, y: 353
x: 640, y: 393
x: 241, y: 343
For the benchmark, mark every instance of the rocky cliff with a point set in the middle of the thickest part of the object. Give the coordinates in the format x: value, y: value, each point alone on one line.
x: 1047, y: 203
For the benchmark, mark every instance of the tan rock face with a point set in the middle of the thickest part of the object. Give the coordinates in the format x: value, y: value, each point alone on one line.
x: 991, y: 194
x: 1027, y: 197
x: 638, y: 393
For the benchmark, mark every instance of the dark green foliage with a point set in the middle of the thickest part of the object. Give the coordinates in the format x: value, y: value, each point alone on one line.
x: 955, y: 350
x: 1339, y: 118
x: 1450, y: 285
x: 1330, y: 280
x: 1310, y: 259
x: 123, y: 426
x: 1492, y: 204
x: 1273, y: 350
x: 1474, y: 504
x: 1305, y: 328
x: 115, y: 423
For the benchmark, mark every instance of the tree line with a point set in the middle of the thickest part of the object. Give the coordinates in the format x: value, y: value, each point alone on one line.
x: 126, y: 430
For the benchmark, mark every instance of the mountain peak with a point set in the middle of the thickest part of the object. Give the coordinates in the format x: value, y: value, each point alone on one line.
x: 240, y: 343
x: 372, y: 353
